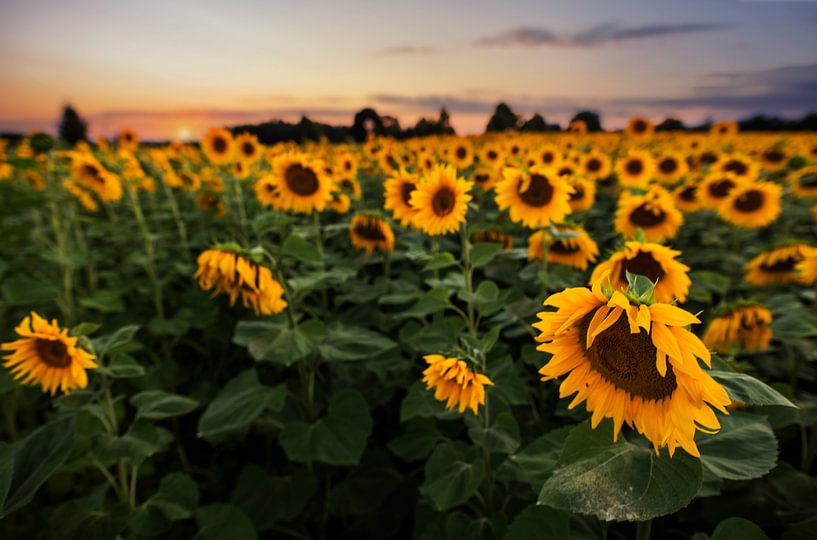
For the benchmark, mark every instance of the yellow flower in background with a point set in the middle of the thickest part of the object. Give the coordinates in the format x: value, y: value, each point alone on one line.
x: 752, y: 205
x: 398, y: 190
x: 724, y: 128
x: 497, y: 237
x: 371, y: 233
x: 740, y: 165
x: 807, y: 268
x: 583, y: 196
x: 804, y: 182
x: 596, y: 165
x: 670, y: 167
x: 219, y: 146
x: 654, y: 213
x: 775, y: 266
x: 745, y: 325
x: 576, y: 251
x: 455, y: 383
x: 636, y: 169
x: 639, y: 128
x: 686, y: 197
x: 46, y: 355
x: 302, y: 184
x: 127, y: 140
x: 247, y: 149
x: 536, y: 197
x: 441, y: 201
x: 88, y: 172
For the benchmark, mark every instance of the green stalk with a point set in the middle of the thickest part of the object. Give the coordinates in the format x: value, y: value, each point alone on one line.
x: 150, y: 252
x: 181, y: 228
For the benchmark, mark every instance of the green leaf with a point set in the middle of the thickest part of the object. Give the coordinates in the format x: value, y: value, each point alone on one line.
x: 255, y: 489
x: 6, y: 470
x: 452, y: 475
x: 440, y: 261
x: 417, y: 442
x: 85, y: 329
x: 270, y: 341
x: 35, y: 459
x: 433, y: 301
x: 619, y: 481
x: 142, y: 440
x: 343, y: 342
x: 483, y: 253
x: 746, y: 389
x: 745, y: 448
x: 298, y: 248
x: 736, y: 527
x: 176, y: 498
x: 538, y: 459
x: 419, y: 403
x: 337, y: 439
x: 539, y: 523
x: 22, y: 290
x: 123, y: 366
x: 104, y: 301
x: 237, y: 406
x: 501, y: 437
x: 795, y: 324
x: 158, y: 404
x: 365, y: 489
x: 118, y: 341
x: 221, y: 521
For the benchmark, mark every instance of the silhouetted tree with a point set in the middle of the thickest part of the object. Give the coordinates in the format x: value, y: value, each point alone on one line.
x: 445, y: 119
x: 73, y: 129
x: 365, y: 121
x: 671, y: 124
x: 591, y: 119
x: 503, y: 119
x: 535, y: 123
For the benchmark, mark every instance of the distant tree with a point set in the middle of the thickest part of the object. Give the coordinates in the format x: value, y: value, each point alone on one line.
x: 503, y: 119
x: 366, y: 121
x: 73, y: 129
x: 535, y: 123
x: 445, y: 119
x: 671, y: 124
x: 591, y: 119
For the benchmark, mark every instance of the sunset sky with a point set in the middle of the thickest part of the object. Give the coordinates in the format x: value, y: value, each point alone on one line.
x: 170, y: 69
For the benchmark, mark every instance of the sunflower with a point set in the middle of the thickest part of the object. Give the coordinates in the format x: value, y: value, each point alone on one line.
x: 89, y: 173
x: 218, y: 145
x: 455, y: 383
x: 127, y: 140
x: 461, y: 153
x: 775, y: 157
x: 635, y: 169
x: 742, y: 166
x: 515, y: 150
x: 577, y: 126
x: 724, y: 128
x: 655, y: 262
x: 302, y: 184
x: 237, y: 273
x: 632, y: 361
x: 346, y: 166
x: 548, y: 155
x: 491, y: 154
x: 340, y: 203
x: 583, y: 196
x: 686, y: 197
x: 350, y: 186
x: 654, y: 213
x: 639, y: 128
x: 82, y: 194
x: 807, y: 268
x: 576, y: 249
x: 211, y: 204
x: 485, y: 177
x: 48, y: 356
x: 716, y: 187
x: 804, y: 182
x: 398, y: 190
x: 752, y: 205
x: 441, y: 201
x: 266, y: 191
x: 775, y: 266
x: 247, y: 149
x: 240, y: 170
x: 535, y: 197
x: 745, y: 325
x: 371, y: 233
x: 497, y: 237
x: 595, y: 165
x: 670, y: 167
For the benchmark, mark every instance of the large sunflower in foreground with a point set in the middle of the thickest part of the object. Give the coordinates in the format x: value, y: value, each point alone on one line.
x: 441, y: 201
x: 654, y: 213
x: 302, y: 183
x: 218, y: 145
x: 576, y: 249
x: 752, y: 205
x: 45, y: 354
x: 397, y: 197
x: 535, y: 197
x: 775, y: 266
x: 455, y: 383
x: 635, y: 169
x: 371, y: 233
x: 230, y: 270
x: 655, y: 262
x: 745, y: 325
x: 632, y: 361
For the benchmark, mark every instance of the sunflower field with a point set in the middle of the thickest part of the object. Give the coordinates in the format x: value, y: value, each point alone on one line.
x: 523, y: 336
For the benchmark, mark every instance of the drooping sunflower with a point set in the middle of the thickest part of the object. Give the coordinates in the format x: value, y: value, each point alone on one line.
x: 218, y: 145
x: 686, y: 197
x: 497, y: 237
x: 670, y: 167
x: 371, y: 233
x: 716, y: 187
x: 228, y: 269
x: 247, y: 149
x: 636, y: 169
x: 807, y: 268
x: 82, y: 194
x: 740, y: 165
x: 575, y: 251
x: 397, y: 197
x: 639, y: 128
x: 441, y: 201
x: 455, y: 383
x: 583, y: 196
x: 752, y: 205
x: 655, y: 262
x: 302, y: 183
x: 775, y: 266
x: 804, y: 182
x: 535, y: 197
x: 633, y: 361
x: 46, y: 355
x: 596, y: 165
x: 127, y: 140
x: 654, y: 213
x: 744, y: 325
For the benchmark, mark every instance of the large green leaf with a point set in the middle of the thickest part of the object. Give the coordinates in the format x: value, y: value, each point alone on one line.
x: 158, y: 404
x: 120, y: 340
x: 418, y: 441
x: 738, y: 528
x: 744, y: 448
x: 539, y: 523
x: 482, y: 253
x: 346, y: 342
x: 298, y: 248
x: 419, y: 403
x: 35, y: 459
x: 453, y: 474
x: 175, y: 499
x: 237, y: 406
x: 538, y: 459
x: 273, y: 341
x: 433, y: 301
x: 747, y: 389
x: 222, y: 521
x: 619, y: 481
x: 255, y: 490
x: 337, y: 439
x: 501, y: 436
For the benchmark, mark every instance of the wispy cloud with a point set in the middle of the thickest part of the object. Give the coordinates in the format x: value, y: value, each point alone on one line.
x: 406, y: 50
x: 595, y: 36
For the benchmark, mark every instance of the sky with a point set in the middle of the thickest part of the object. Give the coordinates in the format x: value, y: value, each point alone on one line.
x: 171, y: 69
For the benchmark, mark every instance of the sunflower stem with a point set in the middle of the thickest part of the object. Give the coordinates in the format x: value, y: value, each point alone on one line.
x: 316, y: 223
x: 66, y: 303
x: 642, y: 530
x: 181, y: 228
x: 544, y: 264
x: 238, y: 198
x: 468, y: 271
x: 150, y: 252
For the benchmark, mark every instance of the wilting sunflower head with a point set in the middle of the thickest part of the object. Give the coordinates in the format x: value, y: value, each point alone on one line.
x: 455, y: 383
x: 655, y: 262
x: 752, y: 205
x: 371, y: 233
x: 807, y: 268
x: 46, y: 355
x: 567, y: 245
x: 238, y: 273
x: 775, y: 266
x: 535, y: 197
x: 639, y: 128
x: 302, y: 183
x: 633, y: 361
x: 441, y: 201
x: 654, y: 213
x: 636, y: 169
x: 397, y: 197
x: 804, y: 182
x: 744, y: 325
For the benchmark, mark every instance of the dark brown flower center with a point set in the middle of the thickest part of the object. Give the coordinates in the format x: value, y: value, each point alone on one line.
x: 774, y: 156
x: 52, y: 353
x: 782, y: 266
x: 443, y: 201
x: 539, y: 191
x: 565, y: 171
x: 492, y: 155
x: 301, y: 180
x: 668, y: 165
x: 688, y: 193
x: 721, y: 188
x: 578, y: 193
x: 560, y: 246
x: 639, y: 126
x: 627, y: 360
x: 514, y: 150
x: 644, y: 217
x: 219, y: 145
x: 749, y: 201
x: 248, y: 149
x: 370, y: 230
x: 405, y: 192
x: 461, y: 152
x: 593, y: 165
x: 708, y: 158
x: 481, y: 178
x: 548, y: 157
x: 736, y: 166
x: 634, y: 167
x: 642, y: 264
x: 809, y: 180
